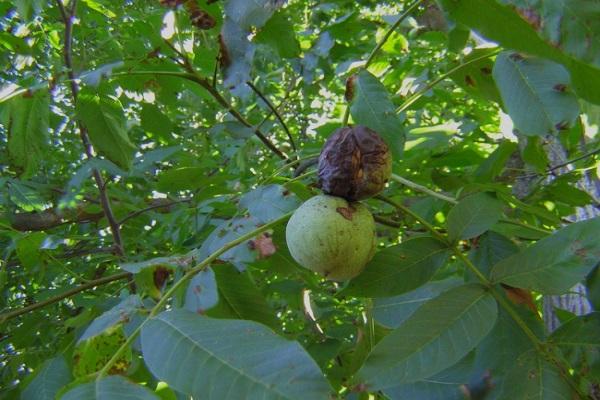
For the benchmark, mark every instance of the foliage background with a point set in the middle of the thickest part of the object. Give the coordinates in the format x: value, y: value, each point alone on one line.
x: 150, y: 155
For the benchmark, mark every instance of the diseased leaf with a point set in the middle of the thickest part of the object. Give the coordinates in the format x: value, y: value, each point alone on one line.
x: 555, y: 263
x: 436, y: 336
x: 501, y: 23
x: 105, y: 123
x: 399, y: 269
x: 202, y: 293
x: 373, y: 108
x: 473, y: 215
x: 120, y: 314
x: 476, y: 77
x: 536, y: 93
x: 216, y: 359
x: 91, y: 354
x: 532, y: 377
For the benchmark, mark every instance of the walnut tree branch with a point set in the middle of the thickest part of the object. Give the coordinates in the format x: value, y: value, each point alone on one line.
x: 89, y: 285
x: 68, y: 17
x: 274, y: 111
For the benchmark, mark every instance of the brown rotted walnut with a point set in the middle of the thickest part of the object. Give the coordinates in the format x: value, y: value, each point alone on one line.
x: 355, y: 163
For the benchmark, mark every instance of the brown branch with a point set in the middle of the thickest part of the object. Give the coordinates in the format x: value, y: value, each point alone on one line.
x: 48, y: 219
x: 89, y: 285
x: 274, y: 111
x: 87, y: 145
x: 211, y: 89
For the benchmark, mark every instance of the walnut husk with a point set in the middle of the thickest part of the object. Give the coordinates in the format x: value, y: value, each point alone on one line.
x: 355, y: 163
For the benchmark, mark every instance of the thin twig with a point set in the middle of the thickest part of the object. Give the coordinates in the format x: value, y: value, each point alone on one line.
x: 422, y: 189
x: 379, y: 45
x: 277, y: 115
x: 87, y: 144
x: 408, y: 102
x: 584, y: 156
x: 89, y: 285
x: 153, y: 207
x: 217, y: 96
x: 389, y: 32
x: 451, y: 200
x: 546, y: 351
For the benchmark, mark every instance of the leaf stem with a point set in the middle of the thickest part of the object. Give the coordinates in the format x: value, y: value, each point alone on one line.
x: 379, y: 45
x: 68, y: 17
x: 423, y: 189
x: 165, y: 297
x: 545, y: 351
x: 408, y: 102
x: 277, y: 115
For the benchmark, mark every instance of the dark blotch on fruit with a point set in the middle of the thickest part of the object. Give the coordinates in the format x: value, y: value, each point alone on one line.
x: 355, y: 163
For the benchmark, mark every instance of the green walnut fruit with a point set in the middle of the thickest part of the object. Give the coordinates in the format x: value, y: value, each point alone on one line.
x: 331, y: 236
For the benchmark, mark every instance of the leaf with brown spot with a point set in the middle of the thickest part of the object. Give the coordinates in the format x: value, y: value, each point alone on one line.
x: 264, y: 245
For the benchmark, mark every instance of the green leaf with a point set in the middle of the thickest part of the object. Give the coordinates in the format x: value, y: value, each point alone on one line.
x: 473, y: 215
x: 491, y: 248
x: 266, y: 203
x: 48, y: 378
x: 105, y: 123
x: 29, y: 249
x: 579, y: 331
x: 399, y: 269
x: 535, y: 93
x: 563, y: 192
x: 27, y: 7
x: 155, y: 121
x: 532, y: 377
x: 555, y: 263
x: 445, y: 385
x: 216, y: 359
x: 240, y: 298
x: 534, y: 154
x: 393, y: 311
x: 373, y: 108
x: 494, y: 164
x: 25, y: 197
x: 436, y: 336
x: 279, y: 33
x: 505, y: 343
x: 184, y: 178
x: 110, y: 388
x: 27, y: 125
x: 174, y: 261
